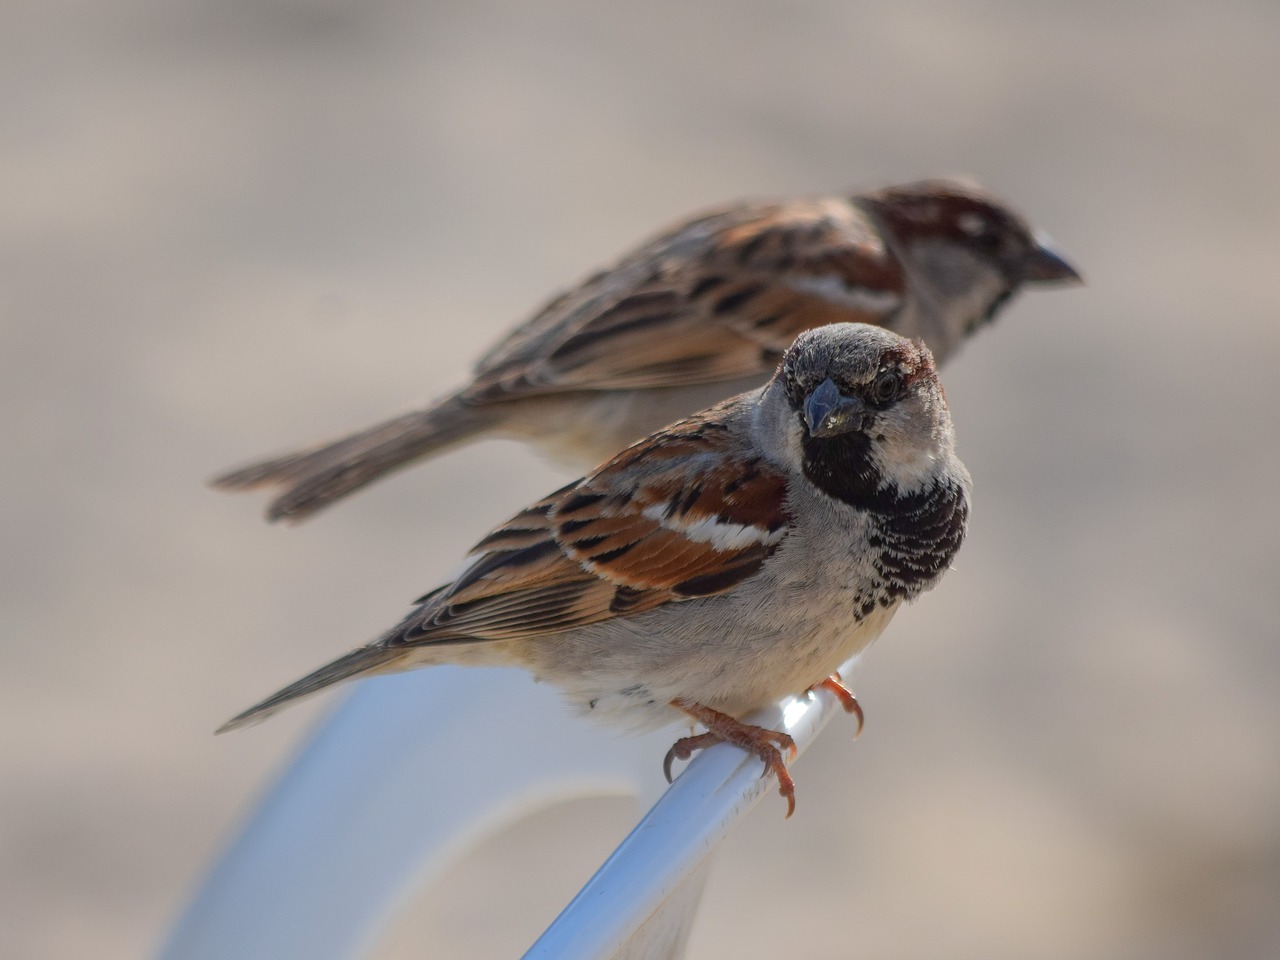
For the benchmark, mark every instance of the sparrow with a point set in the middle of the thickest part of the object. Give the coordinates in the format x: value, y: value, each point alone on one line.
x: 699, y: 313
x: 731, y: 559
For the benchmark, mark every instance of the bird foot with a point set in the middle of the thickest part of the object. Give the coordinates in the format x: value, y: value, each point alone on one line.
x: 722, y: 728
x: 835, y: 684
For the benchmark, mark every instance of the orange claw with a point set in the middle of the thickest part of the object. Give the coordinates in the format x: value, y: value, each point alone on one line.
x: 835, y: 684
x: 683, y: 749
x: 722, y: 728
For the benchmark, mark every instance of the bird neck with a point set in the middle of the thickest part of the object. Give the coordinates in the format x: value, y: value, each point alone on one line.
x: 844, y: 468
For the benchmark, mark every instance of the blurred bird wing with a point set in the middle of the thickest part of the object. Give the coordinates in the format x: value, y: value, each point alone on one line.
x: 718, y: 298
x: 689, y: 512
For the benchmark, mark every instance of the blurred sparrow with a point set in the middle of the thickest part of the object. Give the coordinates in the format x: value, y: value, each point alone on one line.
x: 698, y: 314
x: 722, y: 563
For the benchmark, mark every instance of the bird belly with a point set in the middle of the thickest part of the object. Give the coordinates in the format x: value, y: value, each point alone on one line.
x: 628, y: 674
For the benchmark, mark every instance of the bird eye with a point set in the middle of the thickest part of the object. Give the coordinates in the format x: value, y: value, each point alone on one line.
x: 979, y: 229
x: 887, y: 387
x: 972, y: 224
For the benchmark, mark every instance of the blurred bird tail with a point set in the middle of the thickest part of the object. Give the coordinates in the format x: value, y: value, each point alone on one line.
x: 314, y: 478
x: 371, y: 659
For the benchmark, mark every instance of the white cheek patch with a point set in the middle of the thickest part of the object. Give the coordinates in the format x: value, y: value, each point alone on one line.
x: 714, y: 531
x: 775, y: 429
x: 910, y: 461
x: 833, y: 288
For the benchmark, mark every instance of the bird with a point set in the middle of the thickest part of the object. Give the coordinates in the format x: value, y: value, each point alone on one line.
x: 726, y: 561
x: 701, y: 312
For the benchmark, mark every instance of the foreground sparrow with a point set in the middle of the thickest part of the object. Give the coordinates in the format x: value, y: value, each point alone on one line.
x: 700, y: 313
x: 727, y: 561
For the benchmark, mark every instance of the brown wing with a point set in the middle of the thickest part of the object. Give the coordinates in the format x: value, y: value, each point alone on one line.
x: 686, y: 513
x: 717, y: 298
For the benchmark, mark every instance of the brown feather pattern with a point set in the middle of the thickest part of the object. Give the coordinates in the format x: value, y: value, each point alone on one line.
x: 688, y: 512
x: 712, y: 300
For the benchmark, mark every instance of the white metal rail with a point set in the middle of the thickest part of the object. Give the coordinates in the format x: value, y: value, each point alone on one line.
x: 376, y: 801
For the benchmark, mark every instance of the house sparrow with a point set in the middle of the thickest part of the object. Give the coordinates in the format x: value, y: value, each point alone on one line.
x: 722, y: 563
x: 700, y: 313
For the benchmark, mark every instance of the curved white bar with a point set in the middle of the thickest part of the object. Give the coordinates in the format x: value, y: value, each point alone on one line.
x: 405, y: 776
x: 640, y: 902
x: 378, y: 799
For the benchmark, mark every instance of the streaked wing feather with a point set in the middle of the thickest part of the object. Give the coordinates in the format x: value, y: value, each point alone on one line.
x: 718, y: 298
x: 689, y: 512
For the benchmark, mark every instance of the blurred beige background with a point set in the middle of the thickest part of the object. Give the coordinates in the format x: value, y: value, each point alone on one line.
x: 229, y: 227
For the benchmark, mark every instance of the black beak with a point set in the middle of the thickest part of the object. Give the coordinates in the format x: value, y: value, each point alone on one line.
x: 1043, y: 264
x: 829, y: 413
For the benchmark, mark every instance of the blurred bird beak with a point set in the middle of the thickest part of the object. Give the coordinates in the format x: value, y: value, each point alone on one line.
x: 1043, y: 264
x: 828, y: 413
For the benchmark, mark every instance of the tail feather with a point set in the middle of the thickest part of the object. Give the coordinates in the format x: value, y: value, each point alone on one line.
x: 312, y: 479
x: 371, y: 659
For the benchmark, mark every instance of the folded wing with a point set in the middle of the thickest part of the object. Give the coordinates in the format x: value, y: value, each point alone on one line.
x: 690, y: 512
